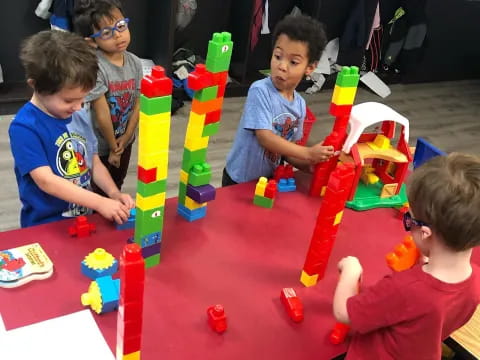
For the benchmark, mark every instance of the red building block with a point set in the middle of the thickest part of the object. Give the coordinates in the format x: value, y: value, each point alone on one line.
x: 292, y: 304
x: 340, y: 110
x: 216, y: 318
x: 339, y: 333
x: 200, y: 78
x: 279, y: 173
x: 82, y: 227
x: 221, y: 90
x: 288, y: 171
x: 157, y: 84
x: 271, y: 189
x: 146, y: 175
x: 220, y: 78
x: 213, y: 117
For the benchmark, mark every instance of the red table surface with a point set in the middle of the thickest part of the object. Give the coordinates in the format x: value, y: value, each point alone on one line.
x: 240, y: 256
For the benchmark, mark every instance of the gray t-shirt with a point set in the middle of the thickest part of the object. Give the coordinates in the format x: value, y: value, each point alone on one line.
x: 266, y: 109
x: 121, y: 86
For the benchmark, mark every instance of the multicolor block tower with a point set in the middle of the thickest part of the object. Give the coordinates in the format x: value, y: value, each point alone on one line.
x: 209, y: 82
x: 340, y: 107
x: 153, y: 141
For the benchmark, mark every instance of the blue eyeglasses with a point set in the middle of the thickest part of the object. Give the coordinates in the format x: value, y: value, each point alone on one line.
x: 107, y: 32
x: 409, y: 221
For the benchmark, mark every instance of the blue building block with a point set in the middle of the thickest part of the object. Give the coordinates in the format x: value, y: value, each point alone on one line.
x: 191, y: 215
x: 424, y: 151
x: 130, y: 223
x: 201, y: 193
x: 110, y: 292
x: 287, y: 185
x: 96, y: 273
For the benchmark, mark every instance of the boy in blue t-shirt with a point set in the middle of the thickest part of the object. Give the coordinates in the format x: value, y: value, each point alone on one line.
x: 274, y: 112
x: 53, y: 145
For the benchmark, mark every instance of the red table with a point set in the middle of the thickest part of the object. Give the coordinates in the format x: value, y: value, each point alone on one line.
x: 240, y: 256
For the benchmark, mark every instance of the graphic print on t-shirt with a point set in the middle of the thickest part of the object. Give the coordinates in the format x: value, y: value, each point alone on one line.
x: 71, y: 165
x: 121, y: 104
x: 286, y: 126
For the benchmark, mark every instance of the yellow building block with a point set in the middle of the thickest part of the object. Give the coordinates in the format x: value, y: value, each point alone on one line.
x: 338, y: 218
x: 151, y: 140
x: 261, y: 185
x: 195, y: 125
x: 308, y: 280
x: 157, y: 131
x: 194, y: 144
x: 343, y: 95
x: 192, y: 204
x: 183, y: 177
x: 150, y: 202
x: 153, y: 159
x: 166, y: 116
x: 132, y: 356
x: 162, y: 170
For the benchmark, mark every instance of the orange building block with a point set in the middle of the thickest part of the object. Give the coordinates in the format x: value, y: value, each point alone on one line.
x: 203, y: 107
x: 404, y: 256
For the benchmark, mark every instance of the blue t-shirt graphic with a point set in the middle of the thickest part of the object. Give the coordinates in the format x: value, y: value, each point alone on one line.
x: 65, y: 145
x: 265, y: 109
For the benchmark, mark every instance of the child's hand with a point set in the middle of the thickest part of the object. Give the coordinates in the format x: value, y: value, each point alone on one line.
x: 319, y: 152
x: 125, y: 199
x: 113, y: 210
x: 351, y: 266
x: 114, y: 159
x: 121, y: 141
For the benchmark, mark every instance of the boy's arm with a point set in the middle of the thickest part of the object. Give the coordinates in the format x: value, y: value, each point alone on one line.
x: 104, y: 181
x: 350, y: 273
x: 131, y: 127
x: 63, y: 189
x: 104, y: 121
x: 279, y: 145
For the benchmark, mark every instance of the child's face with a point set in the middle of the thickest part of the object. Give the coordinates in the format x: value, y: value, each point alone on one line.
x: 63, y: 103
x: 119, y: 41
x: 289, y: 64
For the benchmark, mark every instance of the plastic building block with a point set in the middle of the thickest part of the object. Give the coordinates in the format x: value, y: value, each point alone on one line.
x: 217, y: 318
x: 192, y: 204
x: 204, y: 107
x: 150, y: 202
x: 213, y: 117
x: 200, y: 78
x: 206, y: 94
x: 191, y: 158
x: 157, y: 84
x: 271, y: 189
x: 130, y: 223
x: 99, y: 263
x: 287, y: 185
x: 200, y: 174
x: 219, y: 52
x: 292, y: 304
x: 220, y: 78
x: 344, y: 95
x: 146, y: 175
x: 81, y: 227
x: 151, y: 188
x: 263, y: 201
x: 152, y: 261
x: 148, y: 222
x: 156, y: 105
x: 348, y: 77
x: 211, y: 129
x: 191, y: 215
x: 340, y: 110
x: 103, y: 295
x: 201, y: 193
x: 261, y: 186
x: 196, y: 143
x: 405, y: 255
x: 339, y: 333
x: 151, y: 250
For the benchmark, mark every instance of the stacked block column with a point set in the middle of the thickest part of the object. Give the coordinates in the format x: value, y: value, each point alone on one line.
x: 340, y: 107
x: 209, y: 82
x: 153, y: 142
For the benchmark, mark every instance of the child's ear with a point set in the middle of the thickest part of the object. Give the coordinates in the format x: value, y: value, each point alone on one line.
x: 426, y: 231
x: 91, y: 42
x: 31, y: 83
x: 310, y: 67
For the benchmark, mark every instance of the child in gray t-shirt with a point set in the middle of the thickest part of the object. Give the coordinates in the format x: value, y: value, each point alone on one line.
x: 114, y: 101
x: 274, y: 112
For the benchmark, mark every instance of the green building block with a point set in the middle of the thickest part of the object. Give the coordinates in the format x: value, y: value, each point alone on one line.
x: 148, y: 222
x: 200, y: 174
x: 182, y: 192
x: 263, y: 201
x: 152, y: 188
x: 156, y: 105
x: 152, y: 261
x: 219, y: 52
x: 206, y: 94
x: 348, y: 77
x: 211, y: 129
x: 191, y: 158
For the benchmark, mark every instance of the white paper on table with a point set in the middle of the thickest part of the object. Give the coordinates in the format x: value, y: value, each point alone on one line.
x: 73, y: 337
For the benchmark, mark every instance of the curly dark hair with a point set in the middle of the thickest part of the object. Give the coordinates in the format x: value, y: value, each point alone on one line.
x: 305, y: 29
x: 55, y: 59
x: 89, y: 13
